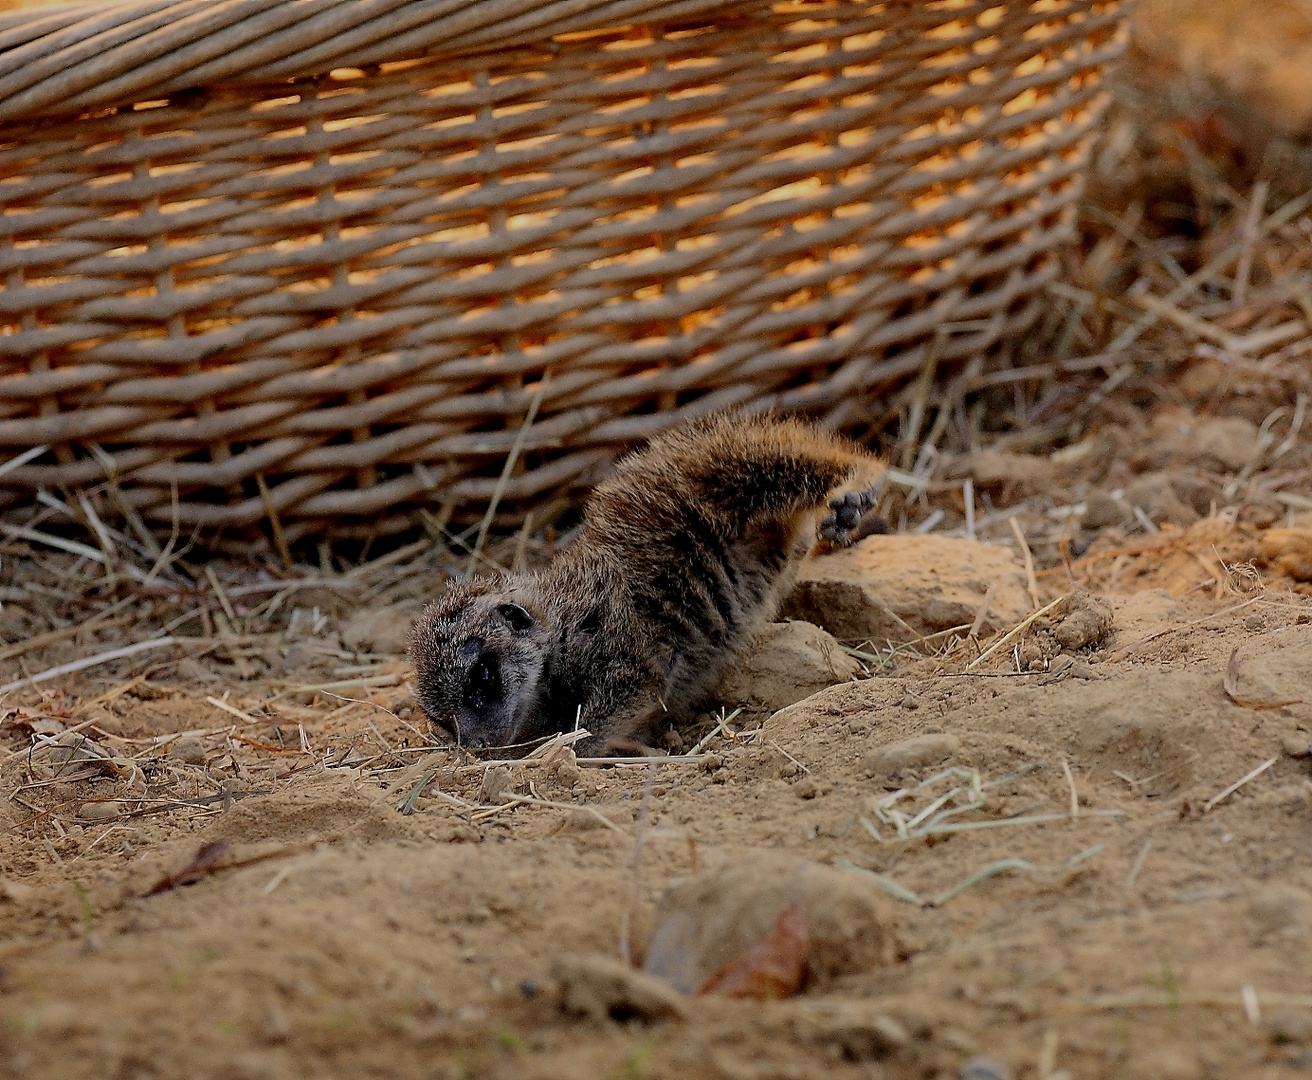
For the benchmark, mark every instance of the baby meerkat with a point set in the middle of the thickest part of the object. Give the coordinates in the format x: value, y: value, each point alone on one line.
x: 684, y: 554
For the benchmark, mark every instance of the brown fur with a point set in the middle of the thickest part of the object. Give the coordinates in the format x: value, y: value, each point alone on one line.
x: 683, y: 556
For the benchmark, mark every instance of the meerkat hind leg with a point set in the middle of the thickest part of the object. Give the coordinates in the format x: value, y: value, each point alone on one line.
x: 851, y: 515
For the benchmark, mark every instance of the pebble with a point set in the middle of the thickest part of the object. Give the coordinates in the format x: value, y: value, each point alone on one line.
x: 982, y: 1068
x: 711, y: 762
x: 1296, y: 745
x: 910, y: 753
x: 806, y: 788
x: 189, y: 751
x: 98, y: 811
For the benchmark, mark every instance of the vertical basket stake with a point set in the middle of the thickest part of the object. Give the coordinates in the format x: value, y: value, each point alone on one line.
x: 504, y: 478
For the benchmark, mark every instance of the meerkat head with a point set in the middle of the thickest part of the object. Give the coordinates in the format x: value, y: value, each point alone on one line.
x: 479, y: 654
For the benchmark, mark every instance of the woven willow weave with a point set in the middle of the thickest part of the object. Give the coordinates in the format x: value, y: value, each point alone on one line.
x: 326, y: 261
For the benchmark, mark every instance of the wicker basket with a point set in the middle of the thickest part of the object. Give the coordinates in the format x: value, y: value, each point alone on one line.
x: 330, y: 261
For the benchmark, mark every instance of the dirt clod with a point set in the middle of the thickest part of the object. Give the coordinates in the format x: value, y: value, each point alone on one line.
x: 189, y: 751
x: 1082, y: 620
x: 706, y: 921
x: 601, y: 988
x: 788, y: 662
x: 496, y: 786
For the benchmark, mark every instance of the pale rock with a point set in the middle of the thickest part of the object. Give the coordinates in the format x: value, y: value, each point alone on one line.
x: 916, y: 752
x: 99, y: 811
x: 898, y: 588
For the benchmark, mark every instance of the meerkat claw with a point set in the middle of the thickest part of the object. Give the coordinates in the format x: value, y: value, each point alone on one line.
x: 847, y: 520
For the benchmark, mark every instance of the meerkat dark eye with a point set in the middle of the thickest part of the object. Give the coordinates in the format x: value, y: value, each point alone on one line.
x: 484, y: 681
x: 516, y: 617
x: 591, y: 623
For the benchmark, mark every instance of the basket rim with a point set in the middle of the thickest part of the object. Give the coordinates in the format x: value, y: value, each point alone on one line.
x: 57, y: 60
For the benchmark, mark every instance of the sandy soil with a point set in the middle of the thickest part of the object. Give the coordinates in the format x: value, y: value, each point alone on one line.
x: 1152, y: 931
x: 1128, y: 895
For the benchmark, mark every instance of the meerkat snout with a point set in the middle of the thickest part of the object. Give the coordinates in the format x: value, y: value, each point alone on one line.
x: 485, y: 691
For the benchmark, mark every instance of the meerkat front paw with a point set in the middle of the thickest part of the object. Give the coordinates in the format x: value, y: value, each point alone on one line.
x: 851, y: 517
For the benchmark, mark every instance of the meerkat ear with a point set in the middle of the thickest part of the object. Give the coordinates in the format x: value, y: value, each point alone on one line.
x: 516, y: 617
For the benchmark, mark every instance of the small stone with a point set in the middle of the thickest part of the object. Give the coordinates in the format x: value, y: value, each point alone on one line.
x: 496, y: 787
x: 711, y: 762
x: 982, y: 1068
x: 1296, y: 745
x: 99, y: 811
x: 909, y: 702
x: 806, y: 788
x: 910, y: 753
x: 189, y: 751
